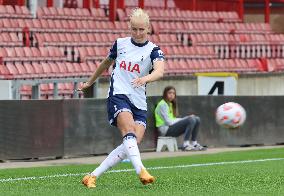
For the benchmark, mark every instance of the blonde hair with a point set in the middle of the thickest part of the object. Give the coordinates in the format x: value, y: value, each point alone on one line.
x: 141, y: 14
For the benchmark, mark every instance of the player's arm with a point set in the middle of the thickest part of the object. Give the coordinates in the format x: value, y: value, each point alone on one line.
x: 156, y: 74
x: 105, y: 64
x: 158, y: 60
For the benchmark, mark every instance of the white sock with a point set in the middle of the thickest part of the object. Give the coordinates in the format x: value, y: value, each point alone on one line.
x: 115, y: 157
x: 132, y: 151
x: 186, y: 143
x: 193, y: 143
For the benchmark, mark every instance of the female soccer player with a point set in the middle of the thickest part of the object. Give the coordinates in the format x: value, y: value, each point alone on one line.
x: 169, y: 125
x: 137, y: 61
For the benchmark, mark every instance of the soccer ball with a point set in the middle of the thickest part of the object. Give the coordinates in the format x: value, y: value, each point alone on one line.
x: 230, y: 115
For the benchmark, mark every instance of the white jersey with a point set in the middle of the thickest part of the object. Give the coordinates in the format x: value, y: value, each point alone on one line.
x: 132, y: 60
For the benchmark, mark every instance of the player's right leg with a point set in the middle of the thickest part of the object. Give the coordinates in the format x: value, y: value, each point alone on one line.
x: 144, y: 176
x: 128, y: 128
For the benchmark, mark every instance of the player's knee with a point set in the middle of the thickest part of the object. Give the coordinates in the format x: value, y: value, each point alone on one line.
x: 197, y: 119
x: 128, y: 128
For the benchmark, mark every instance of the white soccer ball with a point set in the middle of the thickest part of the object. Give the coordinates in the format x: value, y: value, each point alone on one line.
x: 230, y: 115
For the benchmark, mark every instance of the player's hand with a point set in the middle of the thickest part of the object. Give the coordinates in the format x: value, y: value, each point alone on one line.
x: 84, y: 86
x: 137, y: 82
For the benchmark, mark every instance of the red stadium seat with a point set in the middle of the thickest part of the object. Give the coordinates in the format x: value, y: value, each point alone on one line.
x: 71, y: 69
x: 38, y: 69
x: 10, y: 11
x: 92, y: 66
x: 48, y: 12
x: 30, y: 70
x: 22, y: 12
x: 61, y: 69
x: 26, y: 91
x: 85, y: 68
x: 5, y: 73
x: 47, y: 70
x: 13, y: 71
x: 22, y: 70
x: 120, y: 14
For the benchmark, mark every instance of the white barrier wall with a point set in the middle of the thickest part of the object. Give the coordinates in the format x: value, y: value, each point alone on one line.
x: 217, y: 83
x: 5, y: 89
x: 264, y: 84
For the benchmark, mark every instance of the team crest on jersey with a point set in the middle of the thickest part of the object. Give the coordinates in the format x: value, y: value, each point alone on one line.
x: 129, y: 67
x: 160, y: 53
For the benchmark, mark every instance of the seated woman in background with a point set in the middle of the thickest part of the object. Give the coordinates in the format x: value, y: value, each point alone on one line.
x: 169, y: 125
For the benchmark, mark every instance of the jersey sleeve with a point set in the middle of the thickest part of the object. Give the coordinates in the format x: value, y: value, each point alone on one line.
x: 113, y: 51
x: 157, y: 55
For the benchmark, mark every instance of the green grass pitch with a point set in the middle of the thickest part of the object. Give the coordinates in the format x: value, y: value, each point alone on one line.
x: 200, y: 176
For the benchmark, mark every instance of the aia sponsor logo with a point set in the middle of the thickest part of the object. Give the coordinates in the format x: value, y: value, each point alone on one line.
x: 129, y: 66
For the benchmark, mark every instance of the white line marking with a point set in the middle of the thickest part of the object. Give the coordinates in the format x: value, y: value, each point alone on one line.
x: 149, y: 168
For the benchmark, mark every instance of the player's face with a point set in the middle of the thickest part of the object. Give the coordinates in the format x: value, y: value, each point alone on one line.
x: 139, y: 30
x: 171, y: 95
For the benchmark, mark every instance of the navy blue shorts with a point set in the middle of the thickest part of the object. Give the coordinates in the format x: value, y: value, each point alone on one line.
x: 121, y: 103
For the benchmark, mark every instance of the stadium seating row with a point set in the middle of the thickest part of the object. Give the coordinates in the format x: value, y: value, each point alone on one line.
x: 149, y: 3
x: 32, y: 70
x: 35, y: 70
x: 7, y: 11
x: 13, y: 54
x: 276, y: 64
x: 91, y: 53
x: 172, y: 52
x: 65, y: 90
x: 206, y: 39
x: 182, y: 15
x: 71, y: 13
x: 10, y: 25
x: 67, y: 39
x: 189, y: 66
x: 250, y: 51
x: 81, y: 26
x: 185, y: 52
x: 10, y: 39
x: 210, y: 27
x: 95, y: 39
x: 54, y: 25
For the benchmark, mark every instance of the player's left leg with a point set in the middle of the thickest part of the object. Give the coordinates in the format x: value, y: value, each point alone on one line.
x: 144, y: 176
x: 130, y: 130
